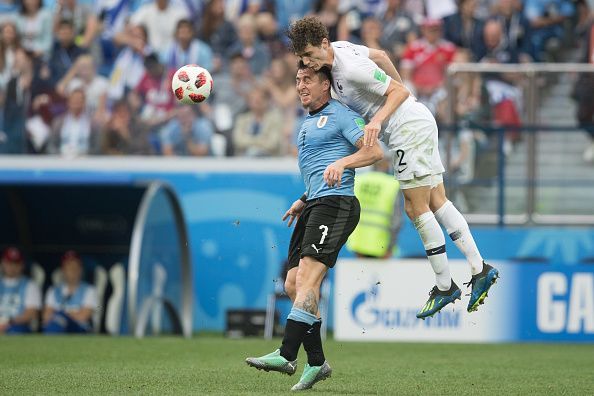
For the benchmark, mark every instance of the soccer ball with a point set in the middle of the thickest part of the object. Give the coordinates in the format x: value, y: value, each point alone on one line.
x: 191, y: 84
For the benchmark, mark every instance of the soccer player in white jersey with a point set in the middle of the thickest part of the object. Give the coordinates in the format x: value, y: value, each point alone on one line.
x: 410, y: 131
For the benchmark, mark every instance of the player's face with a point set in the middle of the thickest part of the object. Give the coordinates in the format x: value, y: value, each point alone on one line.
x: 309, y: 87
x: 12, y: 269
x: 72, y: 271
x: 315, y: 57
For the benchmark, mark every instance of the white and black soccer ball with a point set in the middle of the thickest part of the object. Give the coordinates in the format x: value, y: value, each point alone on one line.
x: 191, y: 84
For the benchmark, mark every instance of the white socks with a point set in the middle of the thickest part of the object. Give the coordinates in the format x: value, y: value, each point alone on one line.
x: 457, y: 227
x: 434, y: 243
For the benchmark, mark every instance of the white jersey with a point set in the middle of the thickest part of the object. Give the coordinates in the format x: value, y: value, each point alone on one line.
x: 410, y: 132
x: 357, y: 81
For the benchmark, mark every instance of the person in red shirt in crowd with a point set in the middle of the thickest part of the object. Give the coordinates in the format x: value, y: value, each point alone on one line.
x: 424, y: 63
x: 154, y: 89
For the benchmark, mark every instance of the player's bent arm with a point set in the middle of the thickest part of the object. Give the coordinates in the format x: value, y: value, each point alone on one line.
x: 396, y: 94
x: 381, y: 58
x: 27, y: 316
x: 81, y: 315
x: 48, y: 312
x: 365, y: 156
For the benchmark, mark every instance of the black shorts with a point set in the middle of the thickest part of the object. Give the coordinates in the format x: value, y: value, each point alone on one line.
x: 323, y: 228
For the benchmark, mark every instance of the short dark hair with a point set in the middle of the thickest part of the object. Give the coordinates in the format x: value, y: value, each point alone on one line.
x: 323, y: 74
x: 66, y: 23
x: 184, y: 22
x: 308, y: 30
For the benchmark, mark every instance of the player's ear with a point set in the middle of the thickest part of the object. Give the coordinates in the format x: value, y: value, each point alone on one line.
x: 325, y: 43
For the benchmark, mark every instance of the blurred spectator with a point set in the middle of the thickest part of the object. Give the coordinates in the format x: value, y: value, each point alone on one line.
x: 257, y: 133
x: 80, y: 15
x: 217, y: 31
x: 235, y: 9
x: 280, y: 83
x: 504, y: 96
x: 73, y: 133
x: 371, y: 33
x: 8, y: 10
x: 155, y: 91
x: 186, y: 49
x: 289, y: 11
x: 516, y: 28
x: 328, y: 12
x: 546, y: 19
x: 107, y: 22
x: 122, y: 134
x: 270, y: 35
x: 35, y: 25
x: 583, y: 92
x: 424, y: 63
x: 398, y: 27
x: 250, y: 47
x: 9, y: 43
x: 83, y: 75
x: 19, y: 94
x: 20, y: 298
x: 230, y: 93
x: 464, y: 30
x: 129, y: 58
x: 160, y: 17
x: 188, y: 134
x: 69, y: 306
x: 65, y: 51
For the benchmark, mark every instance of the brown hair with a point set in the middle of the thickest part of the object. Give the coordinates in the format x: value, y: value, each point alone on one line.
x: 308, y: 30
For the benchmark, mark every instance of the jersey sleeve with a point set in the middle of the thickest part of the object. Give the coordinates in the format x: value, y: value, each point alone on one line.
x: 351, y: 125
x: 50, y: 298
x: 369, y: 76
x: 32, y: 296
x: 90, y: 298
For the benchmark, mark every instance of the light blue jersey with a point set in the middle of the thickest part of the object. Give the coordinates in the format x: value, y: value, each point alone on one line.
x: 12, y: 298
x: 73, y: 301
x: 326, y: 136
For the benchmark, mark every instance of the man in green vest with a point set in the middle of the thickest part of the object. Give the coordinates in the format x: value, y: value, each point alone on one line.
x: 381, y: 214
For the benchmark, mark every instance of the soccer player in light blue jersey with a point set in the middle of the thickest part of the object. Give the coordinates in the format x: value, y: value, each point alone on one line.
x: 330, y: 145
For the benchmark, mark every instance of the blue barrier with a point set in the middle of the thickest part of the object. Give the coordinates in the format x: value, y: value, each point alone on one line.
x: 238, y: 240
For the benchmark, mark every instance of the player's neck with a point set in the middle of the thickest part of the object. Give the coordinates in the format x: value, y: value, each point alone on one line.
x: 319, y: 107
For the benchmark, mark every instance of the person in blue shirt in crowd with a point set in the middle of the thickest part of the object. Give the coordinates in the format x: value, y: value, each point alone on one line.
x: 546, y: 19
x: 330, y: 145
x: 187, y: 134
x: 69, y: 305
x: 20, y: 298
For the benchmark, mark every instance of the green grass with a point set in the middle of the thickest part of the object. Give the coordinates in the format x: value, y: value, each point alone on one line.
x: 213, y: 365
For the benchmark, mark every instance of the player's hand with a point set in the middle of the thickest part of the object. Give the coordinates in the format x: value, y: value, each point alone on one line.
x: 333, y: 174
x: 371, y: 133
x: 294, y: 212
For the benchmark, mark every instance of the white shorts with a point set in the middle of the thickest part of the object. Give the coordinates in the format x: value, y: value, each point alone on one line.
x: 411, y: 136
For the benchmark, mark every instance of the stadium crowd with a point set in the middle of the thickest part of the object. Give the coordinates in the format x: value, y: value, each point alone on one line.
x: 84, y: 77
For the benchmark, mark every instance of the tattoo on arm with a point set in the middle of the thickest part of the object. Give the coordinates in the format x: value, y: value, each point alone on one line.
x: 359, y: 143
x: 309, y: 304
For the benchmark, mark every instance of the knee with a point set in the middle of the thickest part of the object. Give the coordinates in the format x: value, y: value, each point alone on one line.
x: 291, y: 288
x: 409, y: 210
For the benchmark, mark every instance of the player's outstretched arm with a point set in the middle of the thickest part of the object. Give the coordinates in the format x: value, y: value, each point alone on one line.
x: 365, y: 156
x: 294, y: 211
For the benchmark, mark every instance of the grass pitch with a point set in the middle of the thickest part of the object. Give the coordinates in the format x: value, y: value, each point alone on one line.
x: 213, y: 365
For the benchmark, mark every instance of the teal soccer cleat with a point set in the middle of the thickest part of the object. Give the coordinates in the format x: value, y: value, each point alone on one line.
x: 312, y: 375
x: 439, y: 299
x: 480, y: 284
x: 273, y: 362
